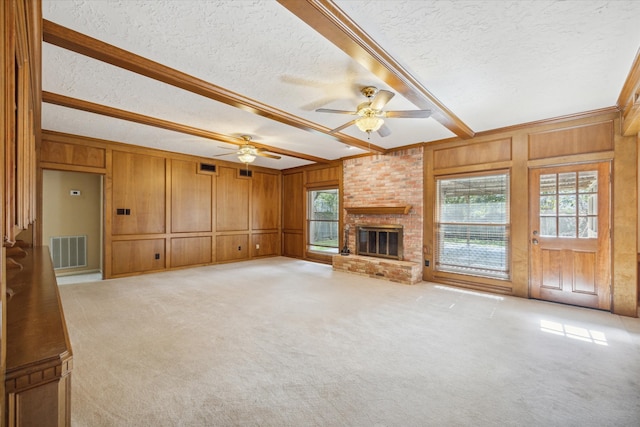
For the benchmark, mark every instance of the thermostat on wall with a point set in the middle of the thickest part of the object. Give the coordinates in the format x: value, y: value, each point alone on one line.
x: 74, y: 192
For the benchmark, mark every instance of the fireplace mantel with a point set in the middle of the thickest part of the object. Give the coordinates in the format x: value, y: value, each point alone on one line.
x: 379, y: 210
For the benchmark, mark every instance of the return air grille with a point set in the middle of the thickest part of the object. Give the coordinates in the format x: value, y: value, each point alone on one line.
x: 68, y: 251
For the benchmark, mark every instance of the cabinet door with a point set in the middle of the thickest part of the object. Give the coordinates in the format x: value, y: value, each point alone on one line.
x: 138, y: 192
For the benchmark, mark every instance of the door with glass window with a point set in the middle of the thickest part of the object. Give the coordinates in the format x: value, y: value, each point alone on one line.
x: 569, y: 236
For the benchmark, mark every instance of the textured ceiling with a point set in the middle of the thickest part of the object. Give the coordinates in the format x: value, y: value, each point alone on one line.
x: 492, y: 63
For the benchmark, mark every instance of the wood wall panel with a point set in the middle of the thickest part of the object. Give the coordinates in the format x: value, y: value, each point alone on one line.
x: 325, y: 174
x: 72, y: 154
x: 232, y: 200
x: 293, y: 244
x: 190, y: 251
x: 292, y: 201
x: 591, y: 138
x: 136, y: 256
x: 191, y: 209
x: 265, y: 205
x: 473, y: 154
x: 138, y: 185
x: 232, y: 247
x: 267, y: 244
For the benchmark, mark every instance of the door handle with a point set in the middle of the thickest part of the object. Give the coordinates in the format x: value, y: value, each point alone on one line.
x: 534, y: 241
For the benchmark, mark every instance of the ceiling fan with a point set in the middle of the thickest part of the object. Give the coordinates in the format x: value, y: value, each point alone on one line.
x: 371, y: 113
x: 247, y: 153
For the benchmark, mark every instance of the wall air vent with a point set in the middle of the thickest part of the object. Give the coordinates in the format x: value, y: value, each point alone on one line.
x: 205, y: 167
x: 68, y: 251
x: 246, y: 172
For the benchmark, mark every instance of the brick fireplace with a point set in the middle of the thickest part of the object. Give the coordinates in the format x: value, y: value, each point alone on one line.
x: 382, y: 190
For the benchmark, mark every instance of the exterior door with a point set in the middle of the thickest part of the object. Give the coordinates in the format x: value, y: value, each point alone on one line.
x: 570, y: 235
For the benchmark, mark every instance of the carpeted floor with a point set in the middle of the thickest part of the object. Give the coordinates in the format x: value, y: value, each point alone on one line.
x: 284, y: 342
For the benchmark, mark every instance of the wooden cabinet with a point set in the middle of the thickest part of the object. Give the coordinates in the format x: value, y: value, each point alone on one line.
x: 39, y: 357
x: 138, y: 191
x: 137, y: 256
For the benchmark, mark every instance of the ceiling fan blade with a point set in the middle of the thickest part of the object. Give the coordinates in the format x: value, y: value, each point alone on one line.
x: 227, y: 148
x: 271, y: 156
x: 344, y: 126
x: 408, y: 114
x: 328, y: 110
x: 381, y: 99
x: 384, y: 131
x: 226, y: 154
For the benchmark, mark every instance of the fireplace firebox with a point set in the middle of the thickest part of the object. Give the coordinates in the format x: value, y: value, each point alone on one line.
x: 382, y: 241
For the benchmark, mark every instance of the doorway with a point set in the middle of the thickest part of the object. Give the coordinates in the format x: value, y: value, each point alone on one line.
x: 570, y: 242
x: 72, y: 222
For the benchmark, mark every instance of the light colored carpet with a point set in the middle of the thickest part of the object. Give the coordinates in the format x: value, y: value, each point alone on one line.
x: 284, y: 342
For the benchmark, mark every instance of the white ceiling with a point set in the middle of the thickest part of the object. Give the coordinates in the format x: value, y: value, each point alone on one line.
x: 491, y: 63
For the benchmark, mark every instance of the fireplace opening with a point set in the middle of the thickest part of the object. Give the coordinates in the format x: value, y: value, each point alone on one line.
x: 382, y: 241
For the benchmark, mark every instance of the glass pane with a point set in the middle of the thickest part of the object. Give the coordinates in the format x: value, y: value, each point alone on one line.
x: 472, y: 230
x: 323, y: 204
x: 372, y: 242
x: 323, y: 233
x: 548, y: 205
x: 548, y: 226
x: 567, y: 204
x: 393, y: 244
x: 567, y: 182
x: 548, y: 184
x: 567, y: 225
x: 588, y: 204
x: 588, y: 182
x: 382, y: 239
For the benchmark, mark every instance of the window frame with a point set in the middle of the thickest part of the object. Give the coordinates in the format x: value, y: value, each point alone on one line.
x: 311, y: 248
x: 470, y: 271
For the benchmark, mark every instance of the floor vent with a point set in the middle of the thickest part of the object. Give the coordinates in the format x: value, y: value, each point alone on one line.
x: 68, y: 251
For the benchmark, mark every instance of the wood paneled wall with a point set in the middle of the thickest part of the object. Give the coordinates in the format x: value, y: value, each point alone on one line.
x: 295, y: 183
x: 592, y: 138
x: 163, y: 211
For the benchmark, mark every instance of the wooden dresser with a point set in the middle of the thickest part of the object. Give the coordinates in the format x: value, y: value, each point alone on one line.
x: 39, y: 357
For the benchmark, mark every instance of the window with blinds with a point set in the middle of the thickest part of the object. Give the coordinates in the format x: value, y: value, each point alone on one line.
x: 472, y: 225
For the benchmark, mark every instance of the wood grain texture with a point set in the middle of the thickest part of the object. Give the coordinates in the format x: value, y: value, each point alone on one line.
x: 379, y: 210
x: 473, y: 154
x: 72, y: 154
x: 265, y: 201
x: 589, y: 138
x: 39, y: 355
x: 265, y: 244
x: 138, y: 185
x: 191, y: 197
x: 293, y: 212
x: 232, y: 200
x: 136, y: 256
x: 232, y: 247
x: 191, y: 251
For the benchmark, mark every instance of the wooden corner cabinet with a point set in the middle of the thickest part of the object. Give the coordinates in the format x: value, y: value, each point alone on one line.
x: 39, y: 356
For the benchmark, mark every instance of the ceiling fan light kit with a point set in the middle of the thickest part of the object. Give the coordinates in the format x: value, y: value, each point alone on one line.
x: 371, y: 113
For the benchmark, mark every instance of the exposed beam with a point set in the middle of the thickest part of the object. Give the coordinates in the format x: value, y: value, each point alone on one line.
x: 629, y: 100
x: 78, y: 104
x: 77, y: 42
x: 333, y: 24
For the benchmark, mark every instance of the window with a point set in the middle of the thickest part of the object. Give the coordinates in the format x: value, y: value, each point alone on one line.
x: 472, y: 225
x: 569, y: 205
x: 322, y: 212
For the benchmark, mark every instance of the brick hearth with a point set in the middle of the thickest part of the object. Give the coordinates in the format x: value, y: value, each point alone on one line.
x: 405, y: 272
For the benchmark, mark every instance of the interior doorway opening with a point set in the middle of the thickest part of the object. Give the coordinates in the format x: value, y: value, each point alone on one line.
x: 72, y: 224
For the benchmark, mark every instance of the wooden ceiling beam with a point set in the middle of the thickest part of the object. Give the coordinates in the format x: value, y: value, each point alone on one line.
x: 78, y: 104
x: 80, y: 43
x: 333, y: 24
